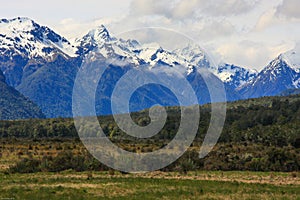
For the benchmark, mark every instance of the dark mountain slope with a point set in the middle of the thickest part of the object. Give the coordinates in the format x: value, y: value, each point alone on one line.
x: 14, y: 105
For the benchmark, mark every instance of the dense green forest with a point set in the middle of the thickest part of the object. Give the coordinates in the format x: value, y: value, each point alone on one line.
x: 269, y: 120
x: 259, y: 134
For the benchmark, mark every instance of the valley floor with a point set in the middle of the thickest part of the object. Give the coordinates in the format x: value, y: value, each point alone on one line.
x: 155, y: 185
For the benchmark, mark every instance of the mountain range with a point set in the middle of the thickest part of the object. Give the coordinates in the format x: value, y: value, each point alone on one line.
x: 42, y: 65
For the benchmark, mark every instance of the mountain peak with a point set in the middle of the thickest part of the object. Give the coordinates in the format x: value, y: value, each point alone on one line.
x: 17, y: 20
x: 102, y: 28
x: 94, y: 39
x: 195, y: 55
x: 17, y: 24
x: 276, y: 64
x: 100, y: 34
x: 191, y: 50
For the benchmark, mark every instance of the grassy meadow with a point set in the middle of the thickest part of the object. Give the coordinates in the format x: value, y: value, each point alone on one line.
x: 155, y: 185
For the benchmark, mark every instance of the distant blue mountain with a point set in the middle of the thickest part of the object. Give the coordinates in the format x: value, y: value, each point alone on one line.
x: 274, y: 79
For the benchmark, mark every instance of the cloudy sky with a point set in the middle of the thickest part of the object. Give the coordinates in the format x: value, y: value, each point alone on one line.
x: 248, y: 33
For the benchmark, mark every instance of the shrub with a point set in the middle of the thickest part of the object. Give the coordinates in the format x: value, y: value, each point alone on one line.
x: 26, y: 165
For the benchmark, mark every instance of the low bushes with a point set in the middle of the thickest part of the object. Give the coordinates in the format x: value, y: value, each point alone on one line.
x: 63, y: 161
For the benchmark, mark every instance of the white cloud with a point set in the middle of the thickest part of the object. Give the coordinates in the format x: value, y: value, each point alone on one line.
x: 284, y: 13
x: 256, y: 54
x: 215, y: 29
x: 266, y: 20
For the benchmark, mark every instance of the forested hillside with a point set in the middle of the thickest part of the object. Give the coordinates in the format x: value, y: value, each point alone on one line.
x: 269, y: 120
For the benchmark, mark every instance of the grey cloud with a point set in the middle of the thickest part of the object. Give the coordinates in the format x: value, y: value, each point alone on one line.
x: 289, y: 8
x: 151, y: 7
x: 185, y: 9
x: 215, y: 29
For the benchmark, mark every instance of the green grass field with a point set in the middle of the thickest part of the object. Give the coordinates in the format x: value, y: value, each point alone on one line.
x: 155, y: 185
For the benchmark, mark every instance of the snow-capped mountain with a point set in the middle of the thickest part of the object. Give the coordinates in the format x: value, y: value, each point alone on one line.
x: 235, y: 76
x: 292, y: 58
x: 39, y: 63
x: 152, y: 54
x: 190, y: 57
x: 278, y: 76
x: 194, y: 55
x: 24, y: 37
x: 95, y: 39
x: 24, y: 45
